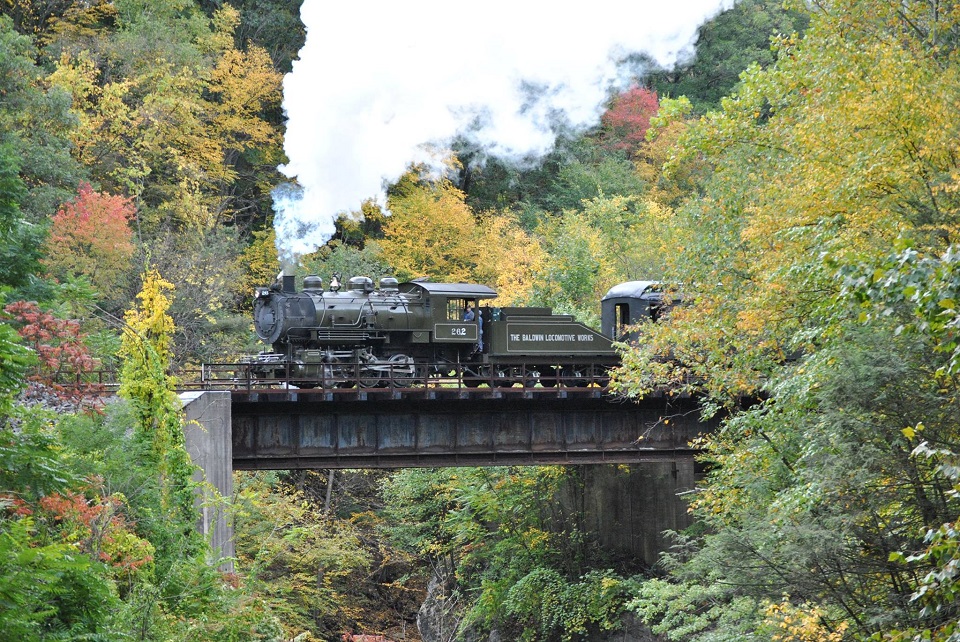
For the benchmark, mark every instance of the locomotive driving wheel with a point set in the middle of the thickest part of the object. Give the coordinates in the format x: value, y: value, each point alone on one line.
x: 367, y: 373
x: 403, y: 371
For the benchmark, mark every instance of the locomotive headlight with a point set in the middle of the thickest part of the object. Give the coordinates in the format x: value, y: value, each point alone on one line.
x: 261, y: 293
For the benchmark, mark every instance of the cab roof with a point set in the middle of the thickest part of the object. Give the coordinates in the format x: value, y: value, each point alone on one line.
x: 455, y: 290
x: 635, y: 290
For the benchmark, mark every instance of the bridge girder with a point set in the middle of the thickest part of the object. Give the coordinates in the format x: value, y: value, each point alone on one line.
x: 291, y: 429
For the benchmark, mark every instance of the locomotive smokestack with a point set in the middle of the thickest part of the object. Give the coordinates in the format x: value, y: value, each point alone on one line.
x: 289, y: 284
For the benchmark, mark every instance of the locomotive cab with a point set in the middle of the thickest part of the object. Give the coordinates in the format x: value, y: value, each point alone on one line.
x: 452, y: 309
x: 629, y: 304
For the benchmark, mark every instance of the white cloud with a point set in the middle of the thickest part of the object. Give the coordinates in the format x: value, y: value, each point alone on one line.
x: 378, y: 79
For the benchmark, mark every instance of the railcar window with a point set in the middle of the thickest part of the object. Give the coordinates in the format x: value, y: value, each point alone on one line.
x: 621, y: 319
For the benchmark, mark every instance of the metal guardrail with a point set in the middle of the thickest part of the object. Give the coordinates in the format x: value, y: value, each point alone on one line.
x: 243, y: 376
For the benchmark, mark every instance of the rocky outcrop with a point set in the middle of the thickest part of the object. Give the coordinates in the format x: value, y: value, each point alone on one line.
x: 441, y: 612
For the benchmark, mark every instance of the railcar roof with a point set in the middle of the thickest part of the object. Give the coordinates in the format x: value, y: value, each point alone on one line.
x: 459, y: 290
x: 635, y: 290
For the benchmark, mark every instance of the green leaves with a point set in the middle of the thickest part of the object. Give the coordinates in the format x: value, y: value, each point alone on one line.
x: 821, y: 265
x: 522, y: 562
x: 15, y: 359
x: 919, y: 289
x: 551, y: 607
x: 49, y: 588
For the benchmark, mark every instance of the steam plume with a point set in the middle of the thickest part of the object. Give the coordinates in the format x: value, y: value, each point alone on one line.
x: 380, y: 81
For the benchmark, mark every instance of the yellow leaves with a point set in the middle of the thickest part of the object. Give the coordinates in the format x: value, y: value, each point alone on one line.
x: 911, y: 432
x: 786, y: 622
x: 751, y: 322
x: 175, y: 129
x: 258, y: 262
x: 433, y: 232
x: 225, y: 21
x: 246, y: 85
x: 149, y: 322
x: 856, y: 145
x: 513, y: 257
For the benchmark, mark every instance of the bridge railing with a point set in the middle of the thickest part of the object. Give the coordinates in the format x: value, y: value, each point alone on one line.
x: 249, y: 376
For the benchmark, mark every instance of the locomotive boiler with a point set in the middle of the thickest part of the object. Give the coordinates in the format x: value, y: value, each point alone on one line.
x: 399, y: 334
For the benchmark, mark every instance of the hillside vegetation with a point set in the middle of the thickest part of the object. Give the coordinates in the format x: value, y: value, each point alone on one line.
x: 798, y: 183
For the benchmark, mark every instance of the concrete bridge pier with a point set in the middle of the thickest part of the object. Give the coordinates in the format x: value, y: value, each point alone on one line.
x: 208, y: 435
x: 627, y: 507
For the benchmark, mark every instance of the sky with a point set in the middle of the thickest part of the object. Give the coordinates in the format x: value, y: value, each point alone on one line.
x: 381, y: 84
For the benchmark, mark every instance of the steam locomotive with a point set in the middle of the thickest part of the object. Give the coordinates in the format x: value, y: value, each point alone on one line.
x: 399, y: 334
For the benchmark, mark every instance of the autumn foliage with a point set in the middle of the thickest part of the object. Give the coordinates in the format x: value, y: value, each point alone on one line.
x: 63, y: 357
x: 97, y: 527
x: 626, y: 123
x: 91, y: 236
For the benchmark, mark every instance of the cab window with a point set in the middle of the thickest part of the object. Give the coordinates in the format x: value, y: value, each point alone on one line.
x: 457, y: 307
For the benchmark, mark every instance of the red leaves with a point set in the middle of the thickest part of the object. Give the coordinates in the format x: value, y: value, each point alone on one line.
x: 58, y: 344
x: 91, y: 235
x: 626, y: 123
x: 98, y: 527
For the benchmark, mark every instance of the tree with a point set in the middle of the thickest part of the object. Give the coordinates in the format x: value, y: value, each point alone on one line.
x: 513, y: 258
x: 91, y: 236
x: 20, y: 241
x: 347, y: 260
x: 144, y: 381
x: 62, y: 356
x: 301, y: 562
x: 173, y: 113
x: 625, y: 123
x: 670, y: 179
x: 431, y: 232
x: 790, y: 183
x: 607, y: 241
x: 36, y: 124
x: 15, y: 359
x: 579, y: 168
x: 818, y: 495
x: 273, y: 25
x: 509, y: 560
x: 33, y: 17
x: 726, y: 46
x: 245, y: 93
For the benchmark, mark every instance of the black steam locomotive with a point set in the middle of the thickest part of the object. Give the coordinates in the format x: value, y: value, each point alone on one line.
x: 399, y: 334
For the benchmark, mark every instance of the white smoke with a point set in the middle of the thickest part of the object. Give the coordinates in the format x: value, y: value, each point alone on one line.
x: 378, y: 82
